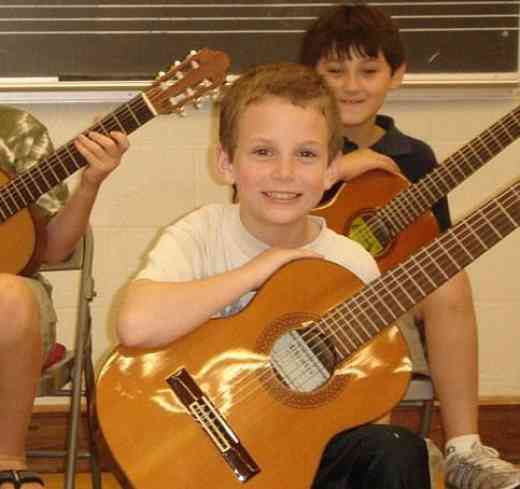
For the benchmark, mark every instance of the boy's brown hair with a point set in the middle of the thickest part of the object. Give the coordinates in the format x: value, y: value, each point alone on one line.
x: 362, y: 29
x: 299, y: 85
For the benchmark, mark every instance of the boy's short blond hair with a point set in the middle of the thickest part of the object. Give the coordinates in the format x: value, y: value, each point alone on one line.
x: 297, y: 84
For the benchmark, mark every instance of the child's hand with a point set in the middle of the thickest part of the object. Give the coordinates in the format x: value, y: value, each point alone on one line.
x: 353, y: 164
x: 265, y: 264
x: 103, y: 154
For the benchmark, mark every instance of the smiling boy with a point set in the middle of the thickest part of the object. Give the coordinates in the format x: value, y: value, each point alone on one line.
x: 279, y: 134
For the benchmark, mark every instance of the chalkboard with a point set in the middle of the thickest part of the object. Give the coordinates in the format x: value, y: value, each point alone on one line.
x: 76, y: 39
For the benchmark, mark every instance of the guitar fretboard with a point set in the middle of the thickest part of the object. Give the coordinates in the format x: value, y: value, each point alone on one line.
x: 355, y: 322
x: 28, y: 186
x: 409, y: 204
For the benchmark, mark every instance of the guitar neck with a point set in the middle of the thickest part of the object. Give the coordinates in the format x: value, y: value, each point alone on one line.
x: 409, y: 204
x: 356, y: 321
x: 28, y: 186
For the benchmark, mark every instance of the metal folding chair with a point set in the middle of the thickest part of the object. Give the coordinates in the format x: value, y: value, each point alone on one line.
x: 73, y: 374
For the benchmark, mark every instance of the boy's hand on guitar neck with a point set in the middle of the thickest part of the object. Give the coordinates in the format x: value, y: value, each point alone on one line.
x: 103, y: 154
x: 351, y: 165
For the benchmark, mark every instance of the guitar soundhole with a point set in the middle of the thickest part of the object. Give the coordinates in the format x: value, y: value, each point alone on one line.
x: 303, y: 359
x: 371, y: 232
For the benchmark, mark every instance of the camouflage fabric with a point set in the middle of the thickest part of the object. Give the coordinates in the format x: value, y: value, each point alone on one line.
x: 24, y: 141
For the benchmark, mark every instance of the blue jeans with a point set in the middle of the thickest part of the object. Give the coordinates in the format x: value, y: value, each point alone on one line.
x: 374, y: 457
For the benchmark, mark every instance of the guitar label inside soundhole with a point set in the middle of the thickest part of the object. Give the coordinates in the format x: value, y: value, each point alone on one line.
x: 303, y: 359
x: 371, y: 232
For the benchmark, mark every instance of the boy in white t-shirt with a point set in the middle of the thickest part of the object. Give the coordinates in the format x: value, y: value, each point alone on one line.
x: 280, y: 132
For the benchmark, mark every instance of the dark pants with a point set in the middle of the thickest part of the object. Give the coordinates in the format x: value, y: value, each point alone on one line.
x: 374, y: 457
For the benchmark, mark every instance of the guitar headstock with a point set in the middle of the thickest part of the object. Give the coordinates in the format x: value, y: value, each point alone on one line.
x: 189, y: 81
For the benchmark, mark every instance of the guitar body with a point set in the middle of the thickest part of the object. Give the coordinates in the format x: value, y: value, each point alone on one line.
x: 159, y: 444
x: 22, y: 240
x: 364, y: 196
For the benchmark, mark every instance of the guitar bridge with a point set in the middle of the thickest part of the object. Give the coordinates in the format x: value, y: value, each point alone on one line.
x: 203, y: 411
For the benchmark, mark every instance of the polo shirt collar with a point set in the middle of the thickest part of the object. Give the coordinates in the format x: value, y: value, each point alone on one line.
x: 392, y: 143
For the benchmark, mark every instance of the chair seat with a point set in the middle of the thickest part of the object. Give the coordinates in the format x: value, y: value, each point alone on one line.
x: 57, y: 371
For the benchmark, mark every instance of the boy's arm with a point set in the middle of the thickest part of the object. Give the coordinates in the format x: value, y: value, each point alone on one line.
x: 348, y: 166
x: 154, y: 313
x: 450, y: 304
x: 64, y: 230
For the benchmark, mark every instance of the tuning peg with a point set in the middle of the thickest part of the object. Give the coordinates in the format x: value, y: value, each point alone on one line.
x: 197, y: 102
x: 215, y: 94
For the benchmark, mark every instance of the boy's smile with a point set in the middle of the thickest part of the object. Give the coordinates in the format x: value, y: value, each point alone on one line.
x: 280, y: 168
x: 360, y: 85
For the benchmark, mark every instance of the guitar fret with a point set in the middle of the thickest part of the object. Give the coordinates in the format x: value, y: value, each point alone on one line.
x: 450, y: 256
x: 340, y: 343
x: 50, y: 166
x: 419, y: 266
x: 118, y: 122
x: 345, y: 335
x: 72, y: 157
x: 23, y: 202
x: 506, y: 130
x: 506, y: 213
x: 103, y: 129
x: 405, y: 209
x: 30, y: 175
x: 445, y: 180
x: 133, y: 115
x: 343, y: 338
x: 466, y: 159
x: 42, y: 175
x: 456, y: 168
x: 430, y: 184
x: 6, y: 205
x: 368, y: 334
x: 394, y: 298
x: 477, y: 155
x: 477, y: 237
x: 27, y: 189
x: 396, y: 215
x: 491, y: 225
x: 403, y: 289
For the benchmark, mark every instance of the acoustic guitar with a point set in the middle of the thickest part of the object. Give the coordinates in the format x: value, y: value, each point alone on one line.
x: 392, y: 218
x: 251, y: 400
x: 22, y: 238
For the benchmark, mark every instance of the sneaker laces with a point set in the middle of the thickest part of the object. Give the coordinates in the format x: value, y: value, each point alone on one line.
x: 480, y: 467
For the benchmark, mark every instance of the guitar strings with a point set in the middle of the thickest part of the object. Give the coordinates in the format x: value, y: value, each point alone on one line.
x: 440, y: 256
x: 116, y: 120
x: 501, y: 133
x: 67, y: 152
x: 401, y: 210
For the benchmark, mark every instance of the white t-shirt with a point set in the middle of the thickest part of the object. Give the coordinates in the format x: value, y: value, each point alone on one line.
x: 213, y: 240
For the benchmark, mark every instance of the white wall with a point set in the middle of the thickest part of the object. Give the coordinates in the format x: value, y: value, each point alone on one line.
x: 168, y: 172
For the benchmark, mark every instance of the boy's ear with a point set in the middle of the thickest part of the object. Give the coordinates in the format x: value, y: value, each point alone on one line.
x: 225, y: 166
x: 397, y: 77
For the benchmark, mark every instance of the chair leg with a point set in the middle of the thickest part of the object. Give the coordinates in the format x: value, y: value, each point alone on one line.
x: 81, y: 346
x: 426, y: 418
x: 93, y: 428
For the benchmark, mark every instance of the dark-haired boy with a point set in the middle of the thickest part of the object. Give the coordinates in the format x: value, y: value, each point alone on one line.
x: 359, y: 51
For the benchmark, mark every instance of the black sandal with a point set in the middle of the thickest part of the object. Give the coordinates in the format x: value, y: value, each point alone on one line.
x: 19, y: 477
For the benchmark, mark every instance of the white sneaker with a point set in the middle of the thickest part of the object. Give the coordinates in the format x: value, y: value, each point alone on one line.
x: 480, y: 468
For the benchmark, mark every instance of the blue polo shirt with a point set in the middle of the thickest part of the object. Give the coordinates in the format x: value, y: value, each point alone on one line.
x: 413, y: 156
